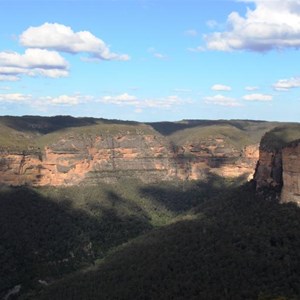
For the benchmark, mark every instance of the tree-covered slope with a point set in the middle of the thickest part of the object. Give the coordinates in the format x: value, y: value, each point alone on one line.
x: 46, y: 233
x: 235, y: 247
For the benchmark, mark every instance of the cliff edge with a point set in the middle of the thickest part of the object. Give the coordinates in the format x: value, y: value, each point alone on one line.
x: 64, y: 150
x: 278, y: 168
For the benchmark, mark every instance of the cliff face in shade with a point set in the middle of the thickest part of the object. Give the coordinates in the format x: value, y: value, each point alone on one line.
x: 269, y: 170
x: 291, y: 173
x: 61, y: 150
x: 278, y: 168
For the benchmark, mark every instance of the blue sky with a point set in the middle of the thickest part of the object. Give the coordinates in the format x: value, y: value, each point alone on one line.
x: 150, y: 60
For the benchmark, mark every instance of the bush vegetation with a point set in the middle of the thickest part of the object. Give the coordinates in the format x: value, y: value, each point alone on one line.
x: 237, y: 246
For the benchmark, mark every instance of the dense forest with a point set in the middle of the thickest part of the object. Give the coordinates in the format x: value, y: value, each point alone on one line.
x: 178, y: 240
x: 235, y: 246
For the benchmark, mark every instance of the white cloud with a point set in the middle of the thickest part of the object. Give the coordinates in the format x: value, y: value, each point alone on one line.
x: 32, y: 63
x: 130, y: 100
x: 286, y: 84
x: 53, y: 73
x: 123, y: 99
x: 33, y: 58
x: 191, y: 32
x: 62, y: 38
x: 65, y: 100
x: 251, y: 88
x: 222, y: 100
x: 165, y: 102
x: 270, y: 25
x: 4, y: 77
x: 15, y: 97
x: 258, y: 97
x: 221, y: 87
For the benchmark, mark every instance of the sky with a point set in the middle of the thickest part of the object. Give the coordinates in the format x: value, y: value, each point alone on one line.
x: 151, y: 60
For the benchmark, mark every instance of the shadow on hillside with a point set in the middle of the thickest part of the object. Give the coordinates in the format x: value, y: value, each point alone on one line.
x: 43, y: 238
x: 167, y: 128
x: 46, y: 125
x: 240, y: 248
x: 186, y: 195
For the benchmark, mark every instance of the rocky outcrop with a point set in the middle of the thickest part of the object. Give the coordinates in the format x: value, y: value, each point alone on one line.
x: 291, y: 173
x: 74, y: 160
x: 268, y: 172
x: 279, y: 171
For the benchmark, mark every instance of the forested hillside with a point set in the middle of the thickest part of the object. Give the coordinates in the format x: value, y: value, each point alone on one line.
x: 235, y: 246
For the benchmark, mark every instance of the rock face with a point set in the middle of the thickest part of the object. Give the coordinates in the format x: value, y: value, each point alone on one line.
x: 150, y: 158
x: 291, y: 173
x: 269, y: 170
x: 279, y: 170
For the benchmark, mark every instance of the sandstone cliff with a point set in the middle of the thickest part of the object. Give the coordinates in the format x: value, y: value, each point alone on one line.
x: 278, y: 168
x: 54, y: 151
x: 291, y: 173
x: 147, y: 157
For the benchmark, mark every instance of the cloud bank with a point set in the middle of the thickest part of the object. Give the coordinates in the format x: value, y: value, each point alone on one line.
x: 258, y: 97
x: 222, y: 100
x: 287, y: 84
x: 270, y: 25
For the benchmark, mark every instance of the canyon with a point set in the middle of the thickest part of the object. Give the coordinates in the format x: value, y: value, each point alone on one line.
x: 147, y: 157
x: 73, y: 157
x: 69, y: 151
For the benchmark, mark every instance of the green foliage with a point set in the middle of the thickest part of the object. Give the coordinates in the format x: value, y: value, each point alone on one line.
x: 236, y: 247
x: 279, y: 137
x: 235, y: 133
x: 34, y: 132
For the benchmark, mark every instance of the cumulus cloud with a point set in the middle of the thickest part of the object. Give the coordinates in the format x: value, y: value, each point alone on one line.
x: 140, y: 103
x: 4, y: 77
x: 286, y: 84
x: 270, y: 25
x: 123, y: 99
x: 258, y: 97
x: 222, y: 100
x: 221, y: 87
x: 32, y: 63
x: 69, y: 100
x: 251, y: 88
x: 15, y: 97
x: 63, y: 39
x: 165, y: 102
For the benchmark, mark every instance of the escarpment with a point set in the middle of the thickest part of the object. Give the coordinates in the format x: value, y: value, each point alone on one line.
x: 291, y: 173
x: 46, y: 151
x: 278, y: 168
x: 146, y: 157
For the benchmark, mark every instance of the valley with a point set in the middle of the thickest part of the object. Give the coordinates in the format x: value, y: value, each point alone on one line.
x: 108, y: 209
